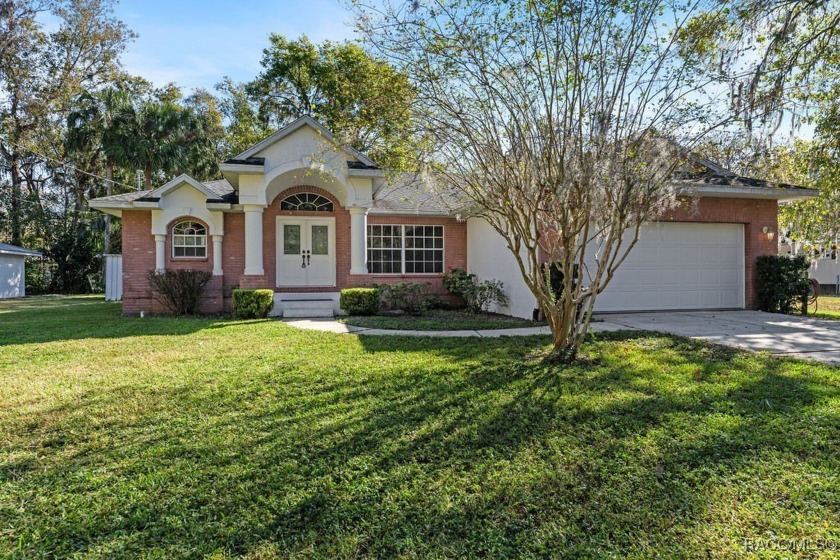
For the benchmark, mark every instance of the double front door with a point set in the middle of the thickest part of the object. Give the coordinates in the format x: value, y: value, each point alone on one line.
x: 305, y: 251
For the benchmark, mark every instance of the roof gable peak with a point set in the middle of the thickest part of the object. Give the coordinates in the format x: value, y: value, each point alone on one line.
x: 177, y: 182
x: 292, y: 127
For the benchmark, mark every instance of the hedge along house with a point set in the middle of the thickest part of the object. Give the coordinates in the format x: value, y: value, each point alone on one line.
x: 305, y: 217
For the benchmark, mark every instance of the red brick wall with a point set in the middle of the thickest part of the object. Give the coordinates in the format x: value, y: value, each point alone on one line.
x: 342, y: 238
x: 139, y: 259
x: 139, y: 247
x: 233, y: 256
x: 455, y: 244
x: 138, y: 250
x: 454, y: 251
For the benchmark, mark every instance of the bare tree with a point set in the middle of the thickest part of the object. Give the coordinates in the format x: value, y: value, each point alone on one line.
x: 559, y: 123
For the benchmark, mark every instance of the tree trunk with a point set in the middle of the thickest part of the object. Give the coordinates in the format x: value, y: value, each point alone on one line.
x: 16, y: 200
x: 147, y: 177
x: 109, y: 190
x: 565, y: 344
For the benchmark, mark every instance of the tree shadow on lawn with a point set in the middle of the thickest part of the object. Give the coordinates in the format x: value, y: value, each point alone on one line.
x: 490, y: 455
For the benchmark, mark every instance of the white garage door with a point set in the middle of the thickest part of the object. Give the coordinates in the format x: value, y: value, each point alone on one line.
x: 680, y: 266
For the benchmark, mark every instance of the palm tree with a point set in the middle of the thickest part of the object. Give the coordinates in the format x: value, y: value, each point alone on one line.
x: 165, y: 137
x: 93, y: 128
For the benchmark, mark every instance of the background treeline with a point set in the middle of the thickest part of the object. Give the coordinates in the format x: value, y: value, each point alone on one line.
x: 74, y: 125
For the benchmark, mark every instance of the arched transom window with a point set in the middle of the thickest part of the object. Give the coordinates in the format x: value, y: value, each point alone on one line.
x: 307, y: 202
x: 189, y: 239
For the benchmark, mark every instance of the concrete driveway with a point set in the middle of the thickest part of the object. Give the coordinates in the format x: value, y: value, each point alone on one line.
x: 787, y: 335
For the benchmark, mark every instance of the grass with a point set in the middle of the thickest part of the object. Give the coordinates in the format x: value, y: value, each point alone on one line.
x: 192, y: 438
x: 441, y: 320
x: 828, y: 307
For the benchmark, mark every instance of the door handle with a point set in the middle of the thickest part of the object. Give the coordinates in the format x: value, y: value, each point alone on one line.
x: 303, y: 257
x: 308, y: 256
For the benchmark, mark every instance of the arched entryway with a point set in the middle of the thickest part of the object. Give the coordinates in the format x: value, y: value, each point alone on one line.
x: 306, y: 241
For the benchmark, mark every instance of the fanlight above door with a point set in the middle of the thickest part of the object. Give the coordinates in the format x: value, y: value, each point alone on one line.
x: 306, y: 202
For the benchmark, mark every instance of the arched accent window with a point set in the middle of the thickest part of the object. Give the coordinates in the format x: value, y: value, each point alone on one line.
x: 189, y: 239
x: 307, y: 202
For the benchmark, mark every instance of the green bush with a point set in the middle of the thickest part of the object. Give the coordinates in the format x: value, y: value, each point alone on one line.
x: 252, y: 304
x: 411, y: 297
x: 180, y: 291
x: 39, y: 273
x: 359, y: 301
x: 477, y: 294
x: 782, y: 282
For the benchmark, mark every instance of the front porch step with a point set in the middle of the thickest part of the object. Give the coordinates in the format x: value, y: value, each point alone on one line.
x: 301, y: 308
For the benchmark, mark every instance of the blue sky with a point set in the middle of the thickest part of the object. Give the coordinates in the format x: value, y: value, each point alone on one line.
x: 196, y: 43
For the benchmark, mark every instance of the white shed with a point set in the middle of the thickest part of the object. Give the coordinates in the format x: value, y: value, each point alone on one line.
x: 12, y: 270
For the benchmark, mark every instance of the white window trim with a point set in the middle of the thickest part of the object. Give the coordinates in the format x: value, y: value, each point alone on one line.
x: 319, y: 196
x: 403, y: 250
x: 183, y: 257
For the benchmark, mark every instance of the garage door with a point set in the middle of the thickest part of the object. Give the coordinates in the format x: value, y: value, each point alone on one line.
x: 680, y: 266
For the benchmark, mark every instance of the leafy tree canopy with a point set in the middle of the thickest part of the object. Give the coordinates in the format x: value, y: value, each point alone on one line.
x: 363, y: 100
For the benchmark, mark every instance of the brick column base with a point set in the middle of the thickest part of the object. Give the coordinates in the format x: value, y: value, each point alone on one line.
x: 213, y: 299
x: 251, y: 282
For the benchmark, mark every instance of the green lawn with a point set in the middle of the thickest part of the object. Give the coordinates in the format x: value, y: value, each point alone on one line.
x: 442, y: 320
x: 166, y: 438
x: 828, y: 307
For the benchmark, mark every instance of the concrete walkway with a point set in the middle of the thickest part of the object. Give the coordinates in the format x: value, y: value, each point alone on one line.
x: 783, y: 335
x: 786, y: 335
x: 333, y: 326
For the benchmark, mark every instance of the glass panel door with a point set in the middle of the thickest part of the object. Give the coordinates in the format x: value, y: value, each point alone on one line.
x: 320, y: 240
x: 291, y: 239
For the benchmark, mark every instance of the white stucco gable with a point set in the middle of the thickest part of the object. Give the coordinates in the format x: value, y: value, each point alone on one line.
x: 177, y: 183
x: 183, y: 197
x: 302, y: 153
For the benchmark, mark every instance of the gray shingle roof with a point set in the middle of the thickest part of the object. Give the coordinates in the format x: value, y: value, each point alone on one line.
x: 220, y: 186
x: 7, y: 249
x: 718, y: 179
x: 123, y: 197
x: 407, y: 193
x: 707, y: 172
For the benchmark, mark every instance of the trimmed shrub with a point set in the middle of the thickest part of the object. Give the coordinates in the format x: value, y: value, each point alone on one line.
x: 782, y: 282
x: 479, y: 295
x: 359, y: 301
x: 252, y: 304
x: 180, y: 291
x: 411, y: 297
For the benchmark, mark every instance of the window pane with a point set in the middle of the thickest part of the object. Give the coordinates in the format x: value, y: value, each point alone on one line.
x: 320, y: 240
x: 306, y: 202
x: 291, y: 239
x: 424, y: 249
x: 384, y: 249
x: 189, y: 239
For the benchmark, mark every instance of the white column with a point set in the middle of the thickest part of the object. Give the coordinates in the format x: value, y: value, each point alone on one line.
x: 253, y: 240
x: 217, y: 255
x: 160, y: 253
x: 358, y: 240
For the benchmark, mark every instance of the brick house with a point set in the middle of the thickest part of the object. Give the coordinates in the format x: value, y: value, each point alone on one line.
x: 303, y: 216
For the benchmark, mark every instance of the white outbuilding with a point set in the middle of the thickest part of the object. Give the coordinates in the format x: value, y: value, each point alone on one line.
x: 12, y: 270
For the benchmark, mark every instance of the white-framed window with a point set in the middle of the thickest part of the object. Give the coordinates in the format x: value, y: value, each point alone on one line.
x: 404, y: 249
x: 189, y: 240
x: 306, y: 202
